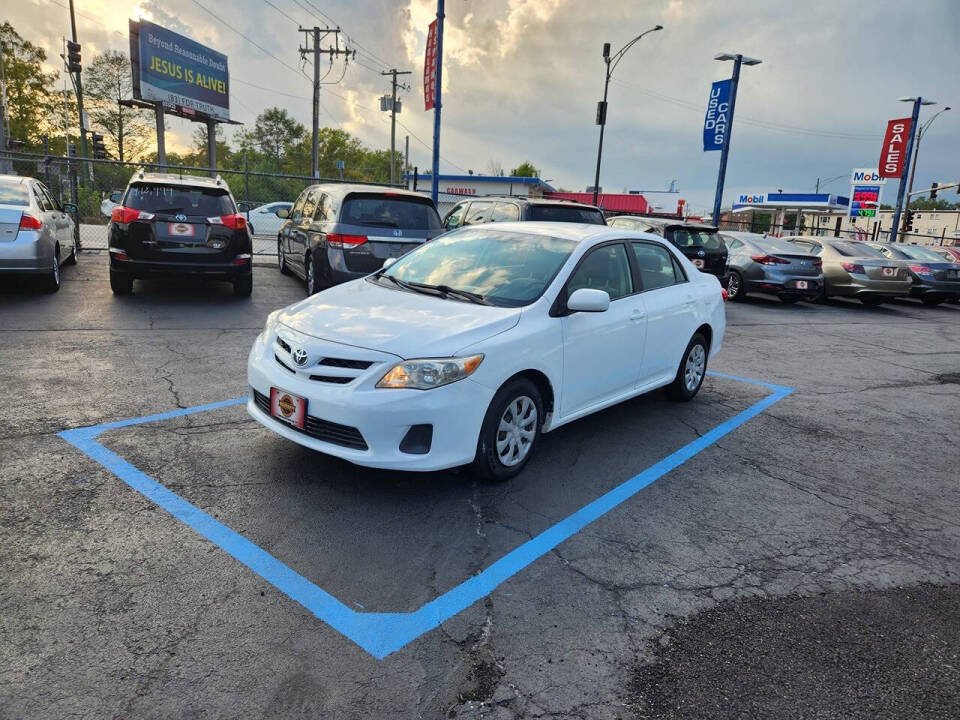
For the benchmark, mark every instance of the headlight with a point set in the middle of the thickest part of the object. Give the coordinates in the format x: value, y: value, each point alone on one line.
x: 268, y: 326
x: 429, y: 372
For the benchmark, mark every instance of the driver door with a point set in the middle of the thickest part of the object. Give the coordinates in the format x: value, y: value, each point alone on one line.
x: 602, y: 351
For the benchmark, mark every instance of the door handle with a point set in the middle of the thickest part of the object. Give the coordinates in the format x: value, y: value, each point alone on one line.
x: 637, y: 315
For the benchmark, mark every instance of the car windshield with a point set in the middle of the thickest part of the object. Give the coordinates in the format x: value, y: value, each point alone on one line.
x: 390, y: 211
x: 565, y: 213
x: 855, y: 250
x: 11, y: 194
x: 694, y: 238
x: 507, y: 269
x: 158, y: 198
x: 920, y: 253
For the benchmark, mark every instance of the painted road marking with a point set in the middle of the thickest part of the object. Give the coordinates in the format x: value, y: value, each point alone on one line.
x: 383, y: 633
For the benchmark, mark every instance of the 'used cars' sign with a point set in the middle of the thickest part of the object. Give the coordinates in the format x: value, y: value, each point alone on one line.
x: 716, y: 122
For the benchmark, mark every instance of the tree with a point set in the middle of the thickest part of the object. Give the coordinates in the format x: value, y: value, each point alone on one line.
x: 526, y: 169
x: 494, y: 167
x: 30, y: 99
x: 106, y: 81
x: 925, y: 203
x: 274, y: 134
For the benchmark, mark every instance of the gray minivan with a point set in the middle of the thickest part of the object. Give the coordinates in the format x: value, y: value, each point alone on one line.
x: 334, y: 233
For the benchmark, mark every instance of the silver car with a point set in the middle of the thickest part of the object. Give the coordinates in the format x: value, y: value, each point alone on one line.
x: 770, y: 265
x: 36, y: 232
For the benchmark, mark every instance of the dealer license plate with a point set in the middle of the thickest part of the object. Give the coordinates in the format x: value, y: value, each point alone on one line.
x: 802, y: 285
x: 698, y: 263
x: 889, y: 271
x: 289, y: 408
x: 182, y: 229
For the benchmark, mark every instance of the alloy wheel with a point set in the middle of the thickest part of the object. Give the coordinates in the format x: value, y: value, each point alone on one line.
x: 694, y: 367
x: 517, y: 430
x: 311, y: 279
x: 733, y: 286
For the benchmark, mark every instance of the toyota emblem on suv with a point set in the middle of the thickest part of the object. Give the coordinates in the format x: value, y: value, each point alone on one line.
x: 181, y: 217
x: 701, y: 253
x: 299, y: 356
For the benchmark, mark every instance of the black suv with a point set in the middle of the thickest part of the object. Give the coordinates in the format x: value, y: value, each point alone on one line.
x: 702, y: 244
x: 172, y: 225
x: 525, y: 209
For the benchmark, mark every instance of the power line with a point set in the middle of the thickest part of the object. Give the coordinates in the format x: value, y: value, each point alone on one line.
x: 249, y: 40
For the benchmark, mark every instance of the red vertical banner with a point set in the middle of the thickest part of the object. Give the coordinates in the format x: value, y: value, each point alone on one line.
x: 893, y: 155
x: 430, y: 68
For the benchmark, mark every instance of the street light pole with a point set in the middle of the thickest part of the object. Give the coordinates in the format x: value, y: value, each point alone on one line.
x: 611, y: 64
x: 437, y: 105
x: 902, y: 189
x: 916, y: 151
x: 738, y: 60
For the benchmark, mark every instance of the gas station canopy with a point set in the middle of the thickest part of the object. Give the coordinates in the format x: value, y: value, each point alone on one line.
x: 805, y: 202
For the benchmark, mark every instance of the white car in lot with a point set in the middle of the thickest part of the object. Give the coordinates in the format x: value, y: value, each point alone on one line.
x: 263, y: 220
x: 467, y: 348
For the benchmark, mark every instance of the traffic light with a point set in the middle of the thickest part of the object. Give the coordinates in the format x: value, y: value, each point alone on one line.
x: 933, y: 190
x: 99, y: 151
x: 73, y: 56
x: 908, y: 221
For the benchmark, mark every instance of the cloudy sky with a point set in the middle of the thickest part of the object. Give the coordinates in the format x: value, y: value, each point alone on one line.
x: 522, y: 78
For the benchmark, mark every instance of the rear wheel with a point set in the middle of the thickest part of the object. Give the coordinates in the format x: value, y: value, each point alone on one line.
x: 120, y: 282
x: 51, y: 280
x: 871, y: 300
x: 282, y: 258
x: 509, y: 432
x: 74, y: 252
x: 692, y: 370
x: 931, y: 301
x: 243, y: 286
x: 735, y: 286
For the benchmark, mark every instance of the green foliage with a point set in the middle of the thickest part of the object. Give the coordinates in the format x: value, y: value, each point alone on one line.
x: 925, y: 203
x: 128, y: 131
x: 525, y: 169
x: 31, y: 97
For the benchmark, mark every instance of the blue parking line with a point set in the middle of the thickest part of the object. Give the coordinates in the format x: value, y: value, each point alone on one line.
x: 381, y: 634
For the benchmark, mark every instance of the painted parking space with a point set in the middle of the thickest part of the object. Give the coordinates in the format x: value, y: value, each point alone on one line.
x: 382, y: 633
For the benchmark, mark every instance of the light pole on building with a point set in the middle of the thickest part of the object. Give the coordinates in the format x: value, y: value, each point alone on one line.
x: 611, y: 64
x: 738, y: 60
x: 902, y: 189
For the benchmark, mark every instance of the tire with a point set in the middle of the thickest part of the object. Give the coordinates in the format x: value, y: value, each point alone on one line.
x: 243, y: 286
x: 282, y: 258
x: 735, y: 290
x: 51, y: 281
x: 692, y: 371
x: 74, y: 252
x: 316, y: 275
x: 789, y: 299
x: 501, y: 456
x: 931, y: 301
x: 871, y: 300
x: 120, y: 282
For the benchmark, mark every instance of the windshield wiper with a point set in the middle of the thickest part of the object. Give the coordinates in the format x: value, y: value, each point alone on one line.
x: 473, y: 297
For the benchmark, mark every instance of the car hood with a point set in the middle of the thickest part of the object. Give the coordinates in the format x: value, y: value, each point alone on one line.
x: 406, y: 324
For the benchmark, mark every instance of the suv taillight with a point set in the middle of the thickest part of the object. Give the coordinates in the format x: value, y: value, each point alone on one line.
x: 233, y: 222
x: 29, y: 222
x: 338, y: 240
x: 125, y: 215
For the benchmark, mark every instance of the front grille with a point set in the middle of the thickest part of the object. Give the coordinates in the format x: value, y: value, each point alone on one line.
x: 325, y: 430
x: 282, y: 364
x: 332, y: 379
x: 344, y: 363
x: 283, y: 343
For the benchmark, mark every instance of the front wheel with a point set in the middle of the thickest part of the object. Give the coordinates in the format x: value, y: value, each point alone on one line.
x: 509, y: 432
x: 692, y: 370
x: 735, y: 286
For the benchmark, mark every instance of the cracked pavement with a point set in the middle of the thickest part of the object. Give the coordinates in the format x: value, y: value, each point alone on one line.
x: 111, y: 608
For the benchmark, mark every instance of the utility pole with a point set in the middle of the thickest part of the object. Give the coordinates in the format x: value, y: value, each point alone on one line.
x: 406, y: 160
x: 315, y: 50
x: 902, y: 189
x: 916, y: 151
x: 438, y: 84
x: 393, y: 119
x: 6, y: 164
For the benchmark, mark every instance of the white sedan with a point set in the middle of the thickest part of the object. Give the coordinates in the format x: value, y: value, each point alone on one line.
x: 263, y: 220
x: 467, y: 348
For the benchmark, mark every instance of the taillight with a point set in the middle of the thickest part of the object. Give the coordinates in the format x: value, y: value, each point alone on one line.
x: 818, y: 263
x: 233, y: 222
x: 723, y: 294
x: 769, y: 260
x: 29, y: 222
x: 921, y: 270
x: 853, y: 268
x: 338, y: 240
x: 125, y: 215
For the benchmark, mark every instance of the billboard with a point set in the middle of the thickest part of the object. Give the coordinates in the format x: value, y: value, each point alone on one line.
x: 715, y: 122
x: 178, y: 72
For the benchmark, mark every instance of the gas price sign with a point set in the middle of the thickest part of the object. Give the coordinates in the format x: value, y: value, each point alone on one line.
x: 865, y: 201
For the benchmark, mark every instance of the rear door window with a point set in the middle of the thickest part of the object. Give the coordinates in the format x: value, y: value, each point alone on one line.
x: 565, y: 213
x: 505, y: 212
x: 479, y: 213
x: 658, y: 269
x: 176, y: 199
x: 42, y: 200
x: 376, y: 210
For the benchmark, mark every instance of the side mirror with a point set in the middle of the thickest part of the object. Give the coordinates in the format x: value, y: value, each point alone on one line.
x: 588, y: 300
x: 283, y: 212
x: 69, y: 208
x: 388, y: 262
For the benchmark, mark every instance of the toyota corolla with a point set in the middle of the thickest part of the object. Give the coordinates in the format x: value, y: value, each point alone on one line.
x: 466, y: 349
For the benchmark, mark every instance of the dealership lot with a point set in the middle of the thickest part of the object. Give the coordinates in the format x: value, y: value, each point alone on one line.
x: 114, y: 608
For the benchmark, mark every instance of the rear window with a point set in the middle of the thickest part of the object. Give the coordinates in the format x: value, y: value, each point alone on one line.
x: 855, y: 250
x: 391, y: 212
x: 694, y: 237
x: 155, y: 198
x: 920, y: 253
x: 565, y: 213
x: 11, y: 194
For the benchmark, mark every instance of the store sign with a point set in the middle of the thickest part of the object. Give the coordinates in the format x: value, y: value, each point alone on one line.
x: 754, y: 199
x: 430, y: 68
x: 866, y: 187
x: 178, y: 72
x: 893, y: 155
x: 716, y: 121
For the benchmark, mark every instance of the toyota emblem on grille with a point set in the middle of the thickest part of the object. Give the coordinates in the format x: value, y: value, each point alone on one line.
x: 702, y: 253
x: 299, y: 356
x: 181, y: 217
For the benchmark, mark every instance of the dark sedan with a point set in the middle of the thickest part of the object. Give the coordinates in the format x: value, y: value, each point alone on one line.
x: 770, y: 265
x: 934, y: 279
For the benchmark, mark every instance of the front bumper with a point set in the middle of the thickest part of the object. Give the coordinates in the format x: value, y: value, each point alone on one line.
x: 382, y: 417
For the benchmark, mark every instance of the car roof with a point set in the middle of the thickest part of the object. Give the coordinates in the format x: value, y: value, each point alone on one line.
x: 671, y: 222
x: 578, y: 232
x: 15, y: 179
x: 343, y: 189
x: 178, y: 180
x: 533, y: 200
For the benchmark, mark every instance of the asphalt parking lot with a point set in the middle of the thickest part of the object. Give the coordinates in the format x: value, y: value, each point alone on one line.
x: 809, y: 546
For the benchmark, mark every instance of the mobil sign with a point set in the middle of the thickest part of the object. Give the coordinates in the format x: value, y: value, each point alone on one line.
x: 867, y: 176
x: 752, y: 199
x: 893, y: 154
